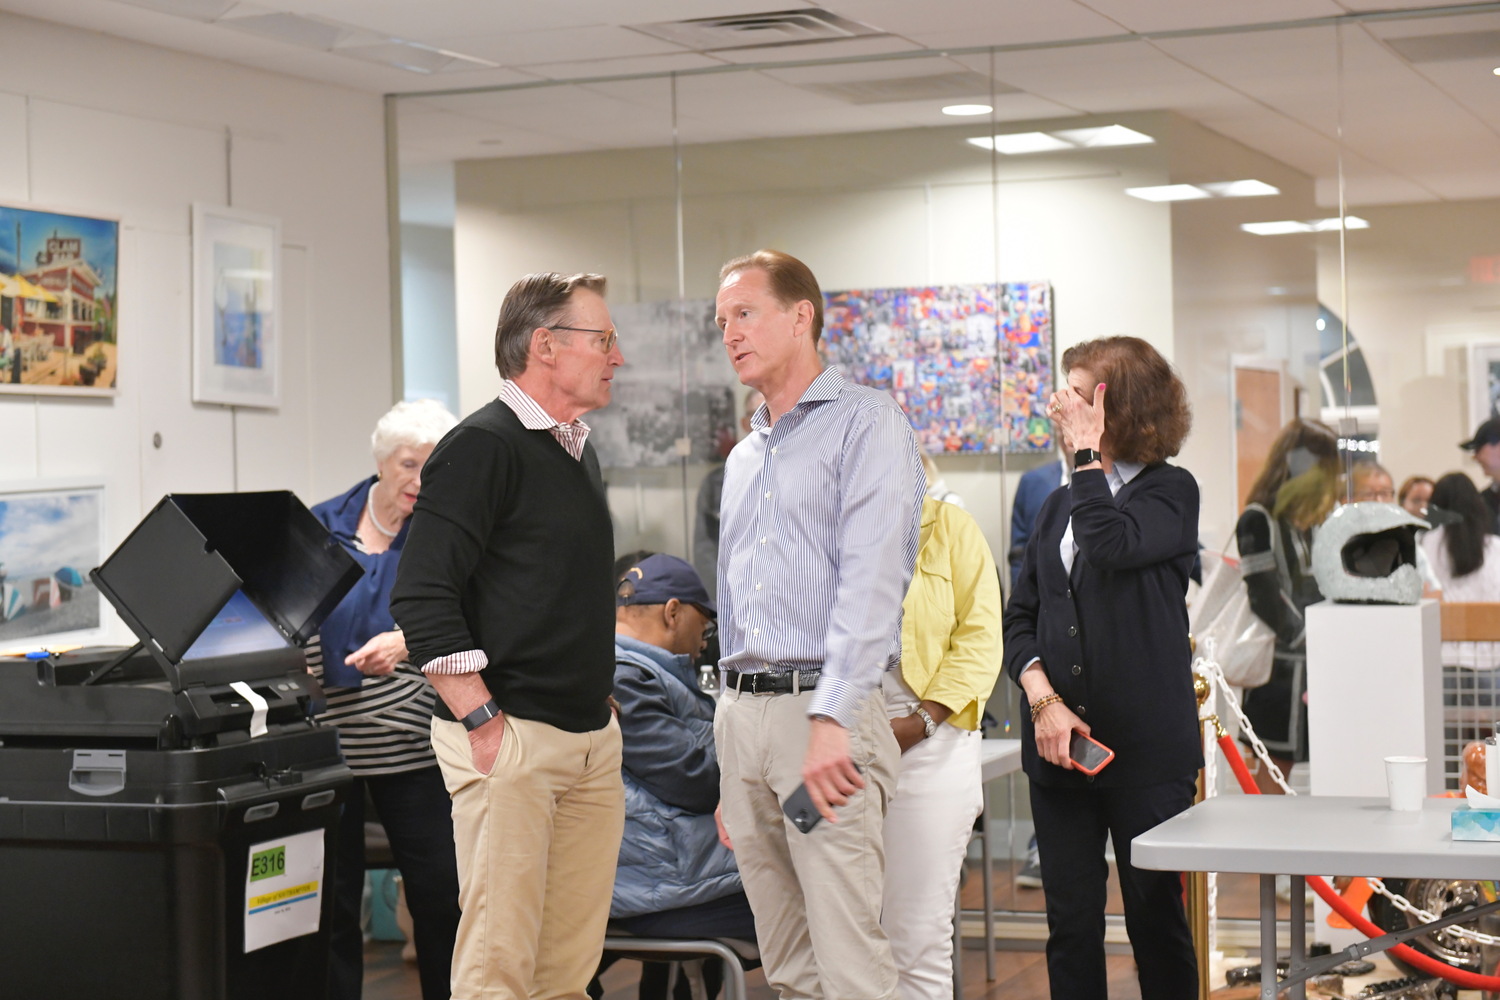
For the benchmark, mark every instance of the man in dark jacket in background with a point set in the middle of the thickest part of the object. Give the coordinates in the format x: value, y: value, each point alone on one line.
x: 674, y: 877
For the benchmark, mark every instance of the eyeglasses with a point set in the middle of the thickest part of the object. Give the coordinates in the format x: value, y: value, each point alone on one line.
x: 611, y: 336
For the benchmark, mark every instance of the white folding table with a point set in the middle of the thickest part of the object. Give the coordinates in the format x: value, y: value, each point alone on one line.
x: 1270, y: 835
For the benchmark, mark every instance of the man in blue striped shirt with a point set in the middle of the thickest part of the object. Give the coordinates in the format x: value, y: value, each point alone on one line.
x: 820, y: 521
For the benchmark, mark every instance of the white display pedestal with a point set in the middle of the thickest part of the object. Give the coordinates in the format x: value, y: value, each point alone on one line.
x: 1374, y: 690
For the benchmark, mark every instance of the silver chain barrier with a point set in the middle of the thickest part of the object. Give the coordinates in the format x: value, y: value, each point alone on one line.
x: 1210, y: 667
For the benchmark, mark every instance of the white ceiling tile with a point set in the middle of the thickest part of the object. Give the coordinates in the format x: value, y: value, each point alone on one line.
x: 528, y: 48
x: 1174, y: 15
x: 670, y: 63
x: 1374, y: 188
x: 875, y: 69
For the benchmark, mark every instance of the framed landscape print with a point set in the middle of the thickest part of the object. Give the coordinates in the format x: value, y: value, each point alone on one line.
x: 51, y: 537
x: 236, y: 307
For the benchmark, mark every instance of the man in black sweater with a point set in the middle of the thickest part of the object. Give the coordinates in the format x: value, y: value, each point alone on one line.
x: 505, y: 595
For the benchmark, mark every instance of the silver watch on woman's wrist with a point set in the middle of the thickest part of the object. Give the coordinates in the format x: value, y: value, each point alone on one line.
x: 929, y: 727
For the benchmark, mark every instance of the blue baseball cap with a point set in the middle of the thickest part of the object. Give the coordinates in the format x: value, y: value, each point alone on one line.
x: 658, y: 579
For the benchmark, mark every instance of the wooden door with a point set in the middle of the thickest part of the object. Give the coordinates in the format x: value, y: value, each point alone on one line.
x: 1257, y: 421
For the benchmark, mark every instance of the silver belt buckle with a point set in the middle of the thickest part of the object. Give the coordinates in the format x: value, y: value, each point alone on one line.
x: 796, y: 682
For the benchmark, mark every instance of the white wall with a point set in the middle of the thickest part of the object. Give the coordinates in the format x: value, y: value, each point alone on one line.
x: 97, y: 124
x: 429, y: 328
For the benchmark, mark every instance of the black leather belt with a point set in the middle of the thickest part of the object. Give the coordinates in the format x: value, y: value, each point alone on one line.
x: 771, y: 682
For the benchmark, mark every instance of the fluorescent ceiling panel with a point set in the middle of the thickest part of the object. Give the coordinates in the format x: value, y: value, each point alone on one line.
x: 1107, y: 135
x: 1021, y: 142
x: 1168, y: 192
x: 1280, y: 228
x: 1285, y: 226
x: 1249, y: 188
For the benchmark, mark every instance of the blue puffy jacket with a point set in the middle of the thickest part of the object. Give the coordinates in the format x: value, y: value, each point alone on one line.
x: 670, y: 855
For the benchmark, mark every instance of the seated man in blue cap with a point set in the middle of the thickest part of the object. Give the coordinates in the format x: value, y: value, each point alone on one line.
x: 674, y: 877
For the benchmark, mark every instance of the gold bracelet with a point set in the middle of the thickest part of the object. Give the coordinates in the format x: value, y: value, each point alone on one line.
x: 1043, y: 702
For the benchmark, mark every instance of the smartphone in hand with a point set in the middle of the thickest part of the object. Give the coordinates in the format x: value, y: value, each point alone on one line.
x: 800, y: 810
x: 1088, y: 754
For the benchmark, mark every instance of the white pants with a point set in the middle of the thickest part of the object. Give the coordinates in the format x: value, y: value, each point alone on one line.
x: 927, y: 831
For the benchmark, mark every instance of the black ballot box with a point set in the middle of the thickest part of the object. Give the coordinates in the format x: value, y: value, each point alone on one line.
x: 168, y: 810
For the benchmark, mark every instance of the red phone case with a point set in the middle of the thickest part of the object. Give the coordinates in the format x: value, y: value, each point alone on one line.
x: 1109, y: 755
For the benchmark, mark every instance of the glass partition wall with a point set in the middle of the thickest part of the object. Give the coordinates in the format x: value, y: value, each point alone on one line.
x: 1302, y: 217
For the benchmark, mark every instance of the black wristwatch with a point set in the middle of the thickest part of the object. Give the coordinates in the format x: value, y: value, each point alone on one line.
x: 484, y: 713
x: 1086, y: 456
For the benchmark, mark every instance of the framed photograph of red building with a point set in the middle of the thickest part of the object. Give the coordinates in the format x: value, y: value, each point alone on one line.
x: 236, y: 307
x: 59, y: 331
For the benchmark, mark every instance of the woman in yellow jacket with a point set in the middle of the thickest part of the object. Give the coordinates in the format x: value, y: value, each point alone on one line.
x: 950, y: 659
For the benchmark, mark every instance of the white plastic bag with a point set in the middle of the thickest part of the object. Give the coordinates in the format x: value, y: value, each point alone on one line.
x: 1242, y: 644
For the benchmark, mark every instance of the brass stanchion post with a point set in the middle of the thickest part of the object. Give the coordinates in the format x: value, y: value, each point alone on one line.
x: 1197, y: 882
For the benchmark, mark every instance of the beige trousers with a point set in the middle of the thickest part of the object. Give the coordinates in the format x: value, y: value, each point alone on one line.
x: 816, y: 896
x: 537, y: 840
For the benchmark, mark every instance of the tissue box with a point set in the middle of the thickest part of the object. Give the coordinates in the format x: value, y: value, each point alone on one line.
x: 1476, y: 824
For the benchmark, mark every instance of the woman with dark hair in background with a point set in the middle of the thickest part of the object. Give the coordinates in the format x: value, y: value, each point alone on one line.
x: 1466, y: 560
x: 1295, y: 491
x: 1096, y: 635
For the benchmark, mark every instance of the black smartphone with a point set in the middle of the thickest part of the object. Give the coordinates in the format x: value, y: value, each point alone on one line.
x: 800, y: 810
x: 1088, y: 754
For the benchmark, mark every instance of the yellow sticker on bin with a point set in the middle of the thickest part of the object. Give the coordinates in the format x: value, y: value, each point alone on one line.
x: 289, y: 894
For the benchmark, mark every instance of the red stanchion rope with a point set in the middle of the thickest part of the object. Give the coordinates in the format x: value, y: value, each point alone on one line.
x: 1412, y: 957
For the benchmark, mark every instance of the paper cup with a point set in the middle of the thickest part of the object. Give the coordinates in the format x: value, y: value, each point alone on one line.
x: 1406, y: 779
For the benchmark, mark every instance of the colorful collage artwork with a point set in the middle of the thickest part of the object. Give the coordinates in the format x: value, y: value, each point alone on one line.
x: 972, y: 369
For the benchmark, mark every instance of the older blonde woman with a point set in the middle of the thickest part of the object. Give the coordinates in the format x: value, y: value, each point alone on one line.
x: 382, y: 708
x: 950, y: 660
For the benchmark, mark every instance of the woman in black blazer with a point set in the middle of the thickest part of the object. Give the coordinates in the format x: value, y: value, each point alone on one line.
x: 1096, y: 635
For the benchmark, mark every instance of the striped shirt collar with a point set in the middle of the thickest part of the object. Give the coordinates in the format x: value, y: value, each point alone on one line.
x: 570, y: 435
x: 829, y: 383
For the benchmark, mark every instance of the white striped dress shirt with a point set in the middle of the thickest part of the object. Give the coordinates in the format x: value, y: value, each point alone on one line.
x: 571, y: 436
x: 820, y: 521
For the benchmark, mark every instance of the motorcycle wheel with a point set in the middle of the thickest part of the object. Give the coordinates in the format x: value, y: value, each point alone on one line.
x: 1440, y: 897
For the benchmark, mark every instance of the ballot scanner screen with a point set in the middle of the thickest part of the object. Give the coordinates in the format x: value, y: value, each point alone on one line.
x: 239, y: 627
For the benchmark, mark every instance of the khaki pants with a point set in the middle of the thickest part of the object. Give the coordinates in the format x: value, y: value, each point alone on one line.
x: 817, y: 895
x: 537, y: 840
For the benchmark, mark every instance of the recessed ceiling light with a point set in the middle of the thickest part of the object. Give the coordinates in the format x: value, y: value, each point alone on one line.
x: 963, y: 110
x: 1497, y: 70
x: 1249, y: 188
x: 1018, y: 143
x: 1280, y: 228
x: 1106, y: 135
x: 1240, y: 189
x: 1284, y: 226
x: 1168, y: 192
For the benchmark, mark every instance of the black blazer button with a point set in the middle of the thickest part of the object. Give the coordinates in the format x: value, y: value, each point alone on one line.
x: 1077, y: 670
x: 1070, y: 593
x: 1082, y: 710
x: 1072, y: 630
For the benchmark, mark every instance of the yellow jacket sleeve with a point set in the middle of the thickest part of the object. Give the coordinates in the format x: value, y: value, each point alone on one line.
x: 950, y: 649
